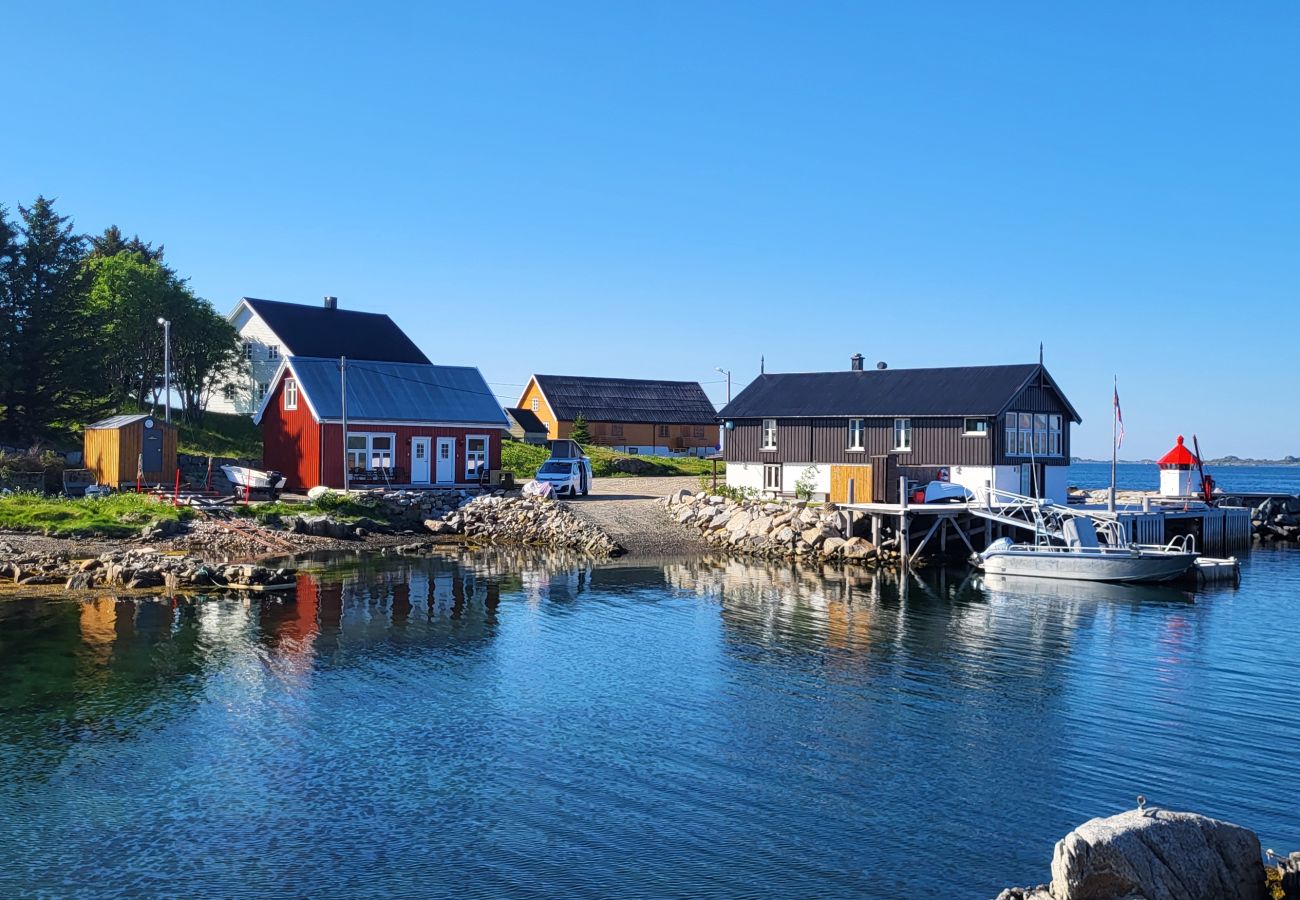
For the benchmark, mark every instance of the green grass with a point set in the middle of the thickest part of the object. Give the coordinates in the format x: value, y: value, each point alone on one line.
x: 524, y: 459
x: 336, y: 506
x: 222, y: 434
x: 119, y: 515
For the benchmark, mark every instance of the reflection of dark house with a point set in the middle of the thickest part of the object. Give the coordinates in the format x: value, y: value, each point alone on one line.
x: 1002, y: 426
x: 525, y: 426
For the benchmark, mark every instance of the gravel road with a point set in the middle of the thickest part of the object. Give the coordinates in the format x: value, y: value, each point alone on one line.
x: 626, y: 509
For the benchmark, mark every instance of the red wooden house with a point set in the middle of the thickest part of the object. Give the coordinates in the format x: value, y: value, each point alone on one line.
x: 407, y: 424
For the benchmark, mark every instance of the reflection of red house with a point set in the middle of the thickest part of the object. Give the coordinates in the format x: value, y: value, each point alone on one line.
x: 407, y: 423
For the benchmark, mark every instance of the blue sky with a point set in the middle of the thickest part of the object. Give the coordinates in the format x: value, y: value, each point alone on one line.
x: 653, y: 190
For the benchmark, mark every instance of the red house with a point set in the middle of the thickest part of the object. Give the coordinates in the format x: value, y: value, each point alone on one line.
x: 408, y: 424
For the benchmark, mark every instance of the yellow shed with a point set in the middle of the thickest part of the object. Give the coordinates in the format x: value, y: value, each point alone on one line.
x: 117, y: 448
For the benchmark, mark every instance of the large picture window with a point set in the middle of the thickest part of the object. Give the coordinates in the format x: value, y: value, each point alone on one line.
x: 769, y: 434
x: 370, y: 451
x: 902, y: 434
x: 1035, y: 434
x: 857, y: 434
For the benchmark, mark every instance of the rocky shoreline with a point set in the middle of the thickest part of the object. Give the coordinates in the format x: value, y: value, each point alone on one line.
x: 143, y: 568
x: 1159, y: 854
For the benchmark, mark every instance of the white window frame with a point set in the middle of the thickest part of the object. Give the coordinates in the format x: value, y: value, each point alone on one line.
x: 248, y: 350
x: 1055, y: 432
x: 769, y: 434
x: 487, y: 455
x: 290, y: 393
x: 903, y: 435
x: 967, y: 431
x: 272, y: 351
x: 537, y: 404
x: 857, y: 434
x: 768, y: 485
x: 369, y: 458
x: 262, y: 388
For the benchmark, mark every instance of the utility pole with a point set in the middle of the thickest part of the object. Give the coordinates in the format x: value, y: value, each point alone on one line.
x: 167, y: 368
x: 343, y: 390
x: 722, y: 371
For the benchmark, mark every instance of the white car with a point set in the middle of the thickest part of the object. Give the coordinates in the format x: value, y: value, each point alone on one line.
x: 569, y: 477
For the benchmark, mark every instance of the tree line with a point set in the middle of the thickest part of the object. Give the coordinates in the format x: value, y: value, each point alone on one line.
x: 79, y: 332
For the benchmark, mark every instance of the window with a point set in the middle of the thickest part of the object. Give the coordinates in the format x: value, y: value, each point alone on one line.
x: 1011, y: 434
x: 1040, y: 434
x: 769, y: 434
x: 536, y: 403
x: 248, y: 349
x: 290, y: 394
x: 370, y: 451
x: 475, y: 456
x: 663, y: 431
x: 1026, y: 441
x: 1034, y: 434
x: 262, y: 388
x: 616, y: 430
x: 903, y: 434
x: 772, y: 478
x: 272, y: 351
x: 857, y: 434
x: 699, y: 431
x: 975, y: 427
x: 1054, y: 431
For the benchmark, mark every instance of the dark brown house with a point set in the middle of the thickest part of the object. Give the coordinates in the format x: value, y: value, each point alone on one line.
x: 855, y: 432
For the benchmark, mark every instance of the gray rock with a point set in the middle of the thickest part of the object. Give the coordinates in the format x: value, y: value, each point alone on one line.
x: 1158, y: 855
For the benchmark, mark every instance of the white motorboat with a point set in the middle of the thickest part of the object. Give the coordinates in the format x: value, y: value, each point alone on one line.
x: 248, y: 480
x: 1081, y: 556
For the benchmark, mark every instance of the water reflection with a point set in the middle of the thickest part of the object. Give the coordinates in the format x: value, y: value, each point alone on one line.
x: 646, y: 726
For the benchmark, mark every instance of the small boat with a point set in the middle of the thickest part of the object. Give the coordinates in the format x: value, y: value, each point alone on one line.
x: 1083, y: 557
x: 247, y: 480
x: 947, y: 492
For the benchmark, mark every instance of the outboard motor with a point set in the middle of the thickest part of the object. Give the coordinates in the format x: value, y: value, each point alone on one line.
x: 274, y: 479
x: 1001, y: 545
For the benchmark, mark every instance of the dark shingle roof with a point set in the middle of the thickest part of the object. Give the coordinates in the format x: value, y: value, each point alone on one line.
x: 627, y: 400
x: 526, y: 419
x: 396, y: 392
x: 331, y: 333
x: 953, y: 391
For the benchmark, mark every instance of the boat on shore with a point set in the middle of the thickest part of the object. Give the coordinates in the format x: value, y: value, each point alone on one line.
x: 247, y: 480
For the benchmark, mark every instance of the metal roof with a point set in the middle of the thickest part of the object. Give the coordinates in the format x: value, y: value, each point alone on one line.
x: 526, y: 419
x: 307, y: 330
x: 952, y: 391
x: 627, y: 400
x: 126, y: 419
x: 396, y: 392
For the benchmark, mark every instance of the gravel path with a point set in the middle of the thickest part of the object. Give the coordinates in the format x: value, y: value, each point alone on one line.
x: 626, y: 509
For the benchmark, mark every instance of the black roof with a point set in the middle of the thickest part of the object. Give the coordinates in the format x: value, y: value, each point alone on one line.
x: 317, y: 331
x: 526, y: 419
x: 627, y: 400
x: 953, y: 391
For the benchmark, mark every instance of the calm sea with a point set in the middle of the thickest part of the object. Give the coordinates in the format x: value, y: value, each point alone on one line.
x: 508, y: 726
x: 1134, y: 476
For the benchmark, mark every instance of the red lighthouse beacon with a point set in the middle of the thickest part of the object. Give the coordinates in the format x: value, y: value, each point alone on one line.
x: 1176, y: 478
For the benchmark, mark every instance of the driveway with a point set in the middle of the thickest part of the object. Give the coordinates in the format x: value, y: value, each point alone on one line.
x: 627, y: 509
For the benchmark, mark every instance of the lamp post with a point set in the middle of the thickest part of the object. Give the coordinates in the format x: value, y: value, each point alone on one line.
x: 722, y: 371
x: 167, y: 368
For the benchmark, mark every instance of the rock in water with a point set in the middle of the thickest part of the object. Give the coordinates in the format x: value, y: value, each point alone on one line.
x: 1158, y: 855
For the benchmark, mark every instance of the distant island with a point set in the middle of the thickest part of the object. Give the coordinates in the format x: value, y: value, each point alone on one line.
x: 1218, y: 461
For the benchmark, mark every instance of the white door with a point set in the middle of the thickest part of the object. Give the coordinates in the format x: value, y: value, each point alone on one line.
x: 446, y: 466
x: 420, y: 460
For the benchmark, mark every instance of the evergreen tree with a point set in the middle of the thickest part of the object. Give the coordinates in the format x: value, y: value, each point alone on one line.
x: 8, y: 317
x: 112, y: 242
x: 51, y: 352
x: 579, y: 431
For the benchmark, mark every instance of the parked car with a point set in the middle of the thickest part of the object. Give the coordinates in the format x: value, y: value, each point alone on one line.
x: 569, y: 477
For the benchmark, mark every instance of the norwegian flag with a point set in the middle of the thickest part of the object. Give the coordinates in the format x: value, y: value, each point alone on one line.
x: 1119, y: 420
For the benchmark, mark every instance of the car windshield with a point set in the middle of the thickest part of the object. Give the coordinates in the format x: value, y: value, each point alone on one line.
x: 556, y: 468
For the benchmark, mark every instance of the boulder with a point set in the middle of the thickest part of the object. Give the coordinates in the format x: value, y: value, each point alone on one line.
x: 1159, y: 855
x: 832, y: 545
x: 814, y: 537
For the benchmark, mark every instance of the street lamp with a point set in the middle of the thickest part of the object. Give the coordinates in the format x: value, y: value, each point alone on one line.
x: 722, y: 371
x: 167, y: 368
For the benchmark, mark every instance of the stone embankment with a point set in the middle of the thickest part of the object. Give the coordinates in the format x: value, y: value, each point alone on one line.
x: 1277, y: 519
x: 776, y: 530
x: 1158, y: 854
x: 139, y: 569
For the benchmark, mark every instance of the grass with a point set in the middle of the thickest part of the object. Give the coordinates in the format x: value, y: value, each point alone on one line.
x: 222, y: 434
x: 336, y: 506
x: 524, y: 459
x: 118, y: 515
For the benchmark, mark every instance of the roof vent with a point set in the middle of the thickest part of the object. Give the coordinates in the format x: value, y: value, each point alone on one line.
x: 882, y: 365
x: 855, y: 362
x: 331, y: 302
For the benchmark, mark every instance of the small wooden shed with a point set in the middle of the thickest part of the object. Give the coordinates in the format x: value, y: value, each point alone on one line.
x: 118, y: 447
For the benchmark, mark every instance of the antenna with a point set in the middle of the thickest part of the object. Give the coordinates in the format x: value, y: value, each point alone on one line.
x: 762, y: 365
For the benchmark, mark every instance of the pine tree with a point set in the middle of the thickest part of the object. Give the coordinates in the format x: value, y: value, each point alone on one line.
x: 8, y: 317
x: 579, y: 431
x: 111, y: 243
x: 53, y: 381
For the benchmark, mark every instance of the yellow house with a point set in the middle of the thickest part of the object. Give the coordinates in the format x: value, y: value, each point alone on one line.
x: 630, y: 415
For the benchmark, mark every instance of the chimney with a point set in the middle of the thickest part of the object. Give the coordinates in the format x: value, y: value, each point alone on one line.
x: 855, y: 362
x: 331, y: 302
x: 882, y: 365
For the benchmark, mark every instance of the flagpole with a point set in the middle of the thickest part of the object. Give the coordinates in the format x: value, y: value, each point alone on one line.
x: 1114, y: 446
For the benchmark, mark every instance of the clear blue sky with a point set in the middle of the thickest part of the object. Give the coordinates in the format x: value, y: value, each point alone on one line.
x: 657, y: 189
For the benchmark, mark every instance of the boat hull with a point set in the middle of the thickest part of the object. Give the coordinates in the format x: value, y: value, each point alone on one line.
x: 1116, y: 567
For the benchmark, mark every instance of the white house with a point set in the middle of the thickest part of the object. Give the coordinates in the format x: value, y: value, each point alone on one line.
x: 272, y: 330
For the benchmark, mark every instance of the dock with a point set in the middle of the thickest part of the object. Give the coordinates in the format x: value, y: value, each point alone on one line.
x: 914, y: 528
